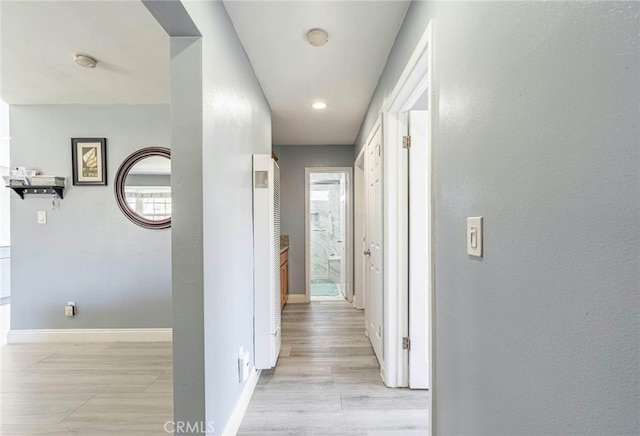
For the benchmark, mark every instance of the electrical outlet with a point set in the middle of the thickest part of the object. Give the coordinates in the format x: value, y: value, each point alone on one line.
x: 243, y: 364
x: 70, y: 309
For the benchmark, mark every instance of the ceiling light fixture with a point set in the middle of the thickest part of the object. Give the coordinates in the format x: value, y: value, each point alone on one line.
x: 85, y: 61
x: 317, y: 37
x: 319, y: 105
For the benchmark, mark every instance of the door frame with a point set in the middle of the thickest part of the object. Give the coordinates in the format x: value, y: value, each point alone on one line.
x: 359, y: 214
x: 417, y: 76
x: 348, y: 251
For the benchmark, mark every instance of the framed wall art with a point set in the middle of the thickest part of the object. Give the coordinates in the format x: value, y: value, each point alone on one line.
x: 89, y: 160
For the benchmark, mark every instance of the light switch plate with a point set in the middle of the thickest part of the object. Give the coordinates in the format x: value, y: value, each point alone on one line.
x: 474, y: 236
x: 42, y: 217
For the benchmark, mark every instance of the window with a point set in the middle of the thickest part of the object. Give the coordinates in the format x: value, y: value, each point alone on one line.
x: 152, y: 203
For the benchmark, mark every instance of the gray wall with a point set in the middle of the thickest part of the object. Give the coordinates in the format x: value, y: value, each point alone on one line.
x: 538, y: 129
x: 148, y: 180
x: 118, y: 274
x: 234, y: 123
x: 186, y: 221
x: 293, y: 159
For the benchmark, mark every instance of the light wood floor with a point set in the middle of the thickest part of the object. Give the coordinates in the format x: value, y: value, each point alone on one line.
x: 327, y: 382
x: 85, y: 389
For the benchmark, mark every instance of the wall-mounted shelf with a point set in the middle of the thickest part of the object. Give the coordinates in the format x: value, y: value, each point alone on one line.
x: 39, y: 184
x: 22, y: 190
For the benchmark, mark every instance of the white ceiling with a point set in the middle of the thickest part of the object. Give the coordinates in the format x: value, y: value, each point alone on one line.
x: 293, y: 74
x: 155, y: 165
x: 39, y: 40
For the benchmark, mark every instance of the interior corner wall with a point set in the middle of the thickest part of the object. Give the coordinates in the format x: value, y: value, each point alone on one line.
x: 118, y: 274
x: 186, y: 226
x: 292, y: 160
x: 537, y: 130
x: 236, y: 123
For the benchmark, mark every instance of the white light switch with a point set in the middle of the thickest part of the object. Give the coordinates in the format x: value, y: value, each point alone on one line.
x: 474, y: 236
x: 42, y: 217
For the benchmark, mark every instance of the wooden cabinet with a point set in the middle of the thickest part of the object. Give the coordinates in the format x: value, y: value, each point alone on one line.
x: 284, y: 278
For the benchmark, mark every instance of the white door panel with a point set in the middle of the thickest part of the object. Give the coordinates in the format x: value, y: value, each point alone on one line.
x: 420, y: 274
x: 374, y: 244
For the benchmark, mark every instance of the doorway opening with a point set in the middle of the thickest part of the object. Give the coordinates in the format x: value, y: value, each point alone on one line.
x: 409, y: 121
x: 328, y: 234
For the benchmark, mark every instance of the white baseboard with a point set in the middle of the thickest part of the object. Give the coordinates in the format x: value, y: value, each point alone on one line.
x: 296, y: 298
x: 89, y: 335
x: 233, y: 424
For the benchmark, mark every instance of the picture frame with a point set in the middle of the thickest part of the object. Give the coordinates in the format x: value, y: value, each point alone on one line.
x: 89, y: 161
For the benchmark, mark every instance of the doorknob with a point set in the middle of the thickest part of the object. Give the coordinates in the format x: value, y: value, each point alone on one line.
x: 367, y: 252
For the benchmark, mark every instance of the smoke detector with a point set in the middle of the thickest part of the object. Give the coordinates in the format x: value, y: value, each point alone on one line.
x: 85, y: 61
x: 317, y: 37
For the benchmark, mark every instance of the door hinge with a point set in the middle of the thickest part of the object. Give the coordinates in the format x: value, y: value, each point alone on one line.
x: 406, y: 343
x: 406, y: 141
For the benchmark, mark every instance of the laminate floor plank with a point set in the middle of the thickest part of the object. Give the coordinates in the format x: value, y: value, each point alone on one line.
x: 327, y: 382
x: 163, y: 384
x: 76, y: 381
x: 383, y: 400
x: 22, y: 359
x: 39, y: 408
x: 140, y: 359
x: 150, y: 409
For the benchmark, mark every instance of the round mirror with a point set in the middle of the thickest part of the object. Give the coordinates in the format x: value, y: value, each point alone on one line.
x: 143, y: 187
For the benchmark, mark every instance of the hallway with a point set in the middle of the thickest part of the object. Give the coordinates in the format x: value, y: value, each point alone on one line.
x: 327, y: 381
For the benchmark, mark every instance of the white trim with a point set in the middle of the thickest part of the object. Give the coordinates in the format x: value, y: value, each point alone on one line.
x: 233, y: 424
x: 348, y: 235
x: 415, y: 78
x: 395, y: 230
x: 307, y: 264
x: 296, y: 299
x: 89, y: 335
x: 414, y: 75
x: 359, y: 192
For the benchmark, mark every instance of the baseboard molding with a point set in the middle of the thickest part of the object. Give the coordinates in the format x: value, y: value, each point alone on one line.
x: 296, y: 298
x: 233, y: 424
x: 89, y: 335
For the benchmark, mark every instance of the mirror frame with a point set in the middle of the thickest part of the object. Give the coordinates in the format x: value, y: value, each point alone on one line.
x: 119, y: 184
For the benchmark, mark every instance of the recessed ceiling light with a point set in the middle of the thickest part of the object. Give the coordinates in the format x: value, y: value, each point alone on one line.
x: 319, y: 105
x: 85, y: 61
x: 317, y: 37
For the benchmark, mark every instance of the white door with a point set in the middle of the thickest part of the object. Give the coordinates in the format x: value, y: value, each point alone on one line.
x: 373, y: 245
x: 359, y: 265
x: 420, y: 274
